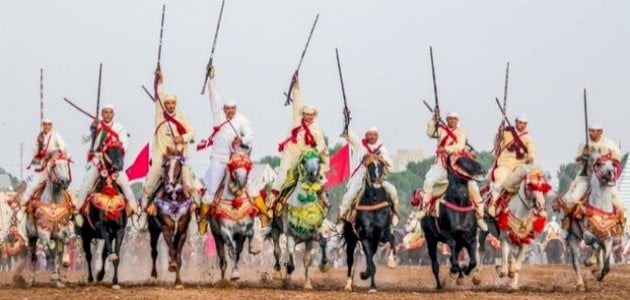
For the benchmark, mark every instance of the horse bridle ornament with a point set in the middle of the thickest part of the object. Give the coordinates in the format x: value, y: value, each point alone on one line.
x: 456, y: 169
x: 50, y: 166
x: 602, y: 160
x: 369, y: 159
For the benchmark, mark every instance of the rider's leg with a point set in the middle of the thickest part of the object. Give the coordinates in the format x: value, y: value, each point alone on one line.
x: 436, y: 174
x: 91, y: 175
x: 123, y: 183
x: 573, y: 197
x: 475, y: 198
x: 37, y: 180
x: 212, y: 179
x: 390, y: 189
x: 500, y: 175
x: 348, y: 198
x: 152, y: 179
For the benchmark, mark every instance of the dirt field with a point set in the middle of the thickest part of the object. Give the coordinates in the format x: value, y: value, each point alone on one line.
x: 549, y: 282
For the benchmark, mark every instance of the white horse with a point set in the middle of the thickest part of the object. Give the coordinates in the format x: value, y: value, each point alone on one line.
x: 302, y: 217
x: 595, y: 221
x: 232, y: 217
x: 49, y: 220
x: 517, y: 224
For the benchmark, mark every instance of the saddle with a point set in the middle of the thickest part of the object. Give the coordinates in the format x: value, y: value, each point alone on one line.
x: 603, y: 225
x: 521, y: 232
x: 235, y: 209
x: 50, y: 215
x: 111, y: 205
x: 439, y: 189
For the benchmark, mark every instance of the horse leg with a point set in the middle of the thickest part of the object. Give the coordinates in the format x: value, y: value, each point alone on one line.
x: 605, y: 259
x: 291, y: 249
x: 575, y: 255
x: 391, y: 260
x: 86, y: 242
x: 308, y: 257
x: 240, y: 242
x: 169, y: 235
x: 107, y: 240
x: 502, y: 270
x: 154, y: 235
x: 516, y: 267
x: 471, y: 247
x: 454, y: 259
x: 460, y: 271
x: 324, y: 264
x: 120, y: 234
x: 101, y: 273
x: 277, y: 252
x: 481, y: 254
x: 369, y: 262
x: 351, y: 244
x: 180, y: 240
x: 58, y: 253
x: 435, y: 264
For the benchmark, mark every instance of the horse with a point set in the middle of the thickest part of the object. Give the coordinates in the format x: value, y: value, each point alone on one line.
x: 596, y: 221
x: 517, y: 224
x: 456, y: 223
x: 371, y: 222
x: 105, y: 212
x: 48, y: 219
x: 232, y: 213
x: 173, y: 214
x: 300, y: 215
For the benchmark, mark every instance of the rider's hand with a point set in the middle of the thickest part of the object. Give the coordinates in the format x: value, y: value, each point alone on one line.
x: 210, y: 69
x: 295, y: 81
x: 529, y: 159
x: 158, y: 75
x: 586, y: 152
x: 94, y: 125
x: 179, y: 140
x: 436, y: 114
x: 237, y: 141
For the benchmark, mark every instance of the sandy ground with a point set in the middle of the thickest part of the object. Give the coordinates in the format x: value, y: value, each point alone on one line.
x: 537, y: 281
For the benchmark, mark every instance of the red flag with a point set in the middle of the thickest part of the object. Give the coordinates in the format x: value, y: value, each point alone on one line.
x: 140, y: 167
x: 339, y: 167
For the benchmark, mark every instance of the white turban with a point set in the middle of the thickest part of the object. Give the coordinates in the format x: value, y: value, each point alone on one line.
x: 170, y: 97
x: 46, y: 121
x: 229, y: 104
x: 521, y: 117
x: 307, y: 109
x: 373, y: 129
x: 596, y: 126
x: 452, y: 114
x: 108, y: 106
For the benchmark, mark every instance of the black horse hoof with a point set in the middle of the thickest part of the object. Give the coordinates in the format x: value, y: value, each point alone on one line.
x: 100, y: 276
x: 365, y: 275
x: 290, y: 268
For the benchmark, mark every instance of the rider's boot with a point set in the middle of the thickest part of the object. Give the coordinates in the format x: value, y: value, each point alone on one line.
x: 265, y: 221
x: 202, y: 224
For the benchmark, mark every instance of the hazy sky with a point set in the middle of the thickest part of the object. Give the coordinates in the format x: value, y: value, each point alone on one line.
x: 556, y: 48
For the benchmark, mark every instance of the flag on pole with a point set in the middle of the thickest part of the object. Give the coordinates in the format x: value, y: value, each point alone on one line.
x: 339, y: 167
x: 140, y: 166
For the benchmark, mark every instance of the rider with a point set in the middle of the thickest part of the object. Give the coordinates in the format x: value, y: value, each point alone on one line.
x: 103, y: 132
x: 231, y: 132
x: 47, y: 142
x: 451, y: 139
x: 597, y: 144
x: 515, y: 150
x: 371, y: 144
x: 304, y: 135
x: 172, y: 131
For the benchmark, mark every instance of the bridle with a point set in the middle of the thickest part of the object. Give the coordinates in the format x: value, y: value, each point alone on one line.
x: 602, y: 160
x: 533, y: 181
x: 380, y: 169
x: 455, y: 168
x: 51, y: 166
x: 169, y: 173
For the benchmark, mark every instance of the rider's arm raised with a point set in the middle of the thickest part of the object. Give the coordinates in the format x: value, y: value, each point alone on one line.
x: 215, y: 102
x: 296, y: 104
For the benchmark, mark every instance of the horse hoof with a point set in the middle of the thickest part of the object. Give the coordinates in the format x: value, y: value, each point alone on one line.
x: 112, y: 257
x: 391, y: 263
x: 172, y: 267
x: 514, y: 287
x: 591, y: 261
x: 153, y: 280
x: 324, y: 268
x: 459, y: 281
x: 235, y: 275
x: 19, y: 281
x: 116, y: 287
x: 580, y: 287
x: 364, y: 275
x: 348, y: 287
x: 179, y: 286
x: 371, y: 291
x: 511, y: 274
x: 476, y: 280
x: 308, y: 286
x: 453, y: 276
x: 60, y: 285
x: 277, y: 276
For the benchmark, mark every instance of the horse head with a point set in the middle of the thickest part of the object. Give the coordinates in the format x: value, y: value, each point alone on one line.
x: 310, y: 164
x: 535, y: 186
x: 376, y: 168
x: 463, y: 166
x: 58, y: 165
x: 113, y: 155
x: 239, y: 167
x: 171, y: 171
x: 606, y: 169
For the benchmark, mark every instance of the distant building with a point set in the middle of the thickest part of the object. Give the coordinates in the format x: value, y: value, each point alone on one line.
x: 405, y: 156
x: 624, y: 187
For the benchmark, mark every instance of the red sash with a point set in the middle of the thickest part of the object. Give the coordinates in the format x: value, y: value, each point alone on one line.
x: 210, y: 141
x: 110, y: 133
x: 178, y: 125
x: 449, y: 134
x: 308, y: 137
x: 367, y: 148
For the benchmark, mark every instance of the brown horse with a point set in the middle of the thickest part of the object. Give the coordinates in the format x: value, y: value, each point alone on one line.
x: 173, y: 214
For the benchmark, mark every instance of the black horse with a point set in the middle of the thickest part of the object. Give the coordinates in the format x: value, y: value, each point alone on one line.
x: 373, y: 218
x: 105, y: 217
x: 456, y: 225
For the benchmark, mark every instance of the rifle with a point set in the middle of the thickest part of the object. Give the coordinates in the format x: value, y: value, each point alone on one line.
x: 499, y: 135
x: 440, y: 121
x: 98, y: 104
x: 346, y: 111
x: 80, y: 109
x: 520, y: 150
x: 437, y: 103
x: 161, y: 34
x: 41, y: 96
x: 308, y: 41
x: 214, y: 44
x: 586, y: 144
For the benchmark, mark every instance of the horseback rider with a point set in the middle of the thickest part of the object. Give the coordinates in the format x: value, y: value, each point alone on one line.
x: 103, y: 132
x: 305, y: 134
x: 371, y: 144
x: 451, y: 139
x: 47, y: 142
x: 172, y: 131
x: 231, y: 132
x: 515, y: 150
x: 597, y: 144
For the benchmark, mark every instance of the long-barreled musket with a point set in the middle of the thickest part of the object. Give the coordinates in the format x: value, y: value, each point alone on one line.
x: 41, y: 96
x: 98, y: 102
x: 83, y: 111
x: 499, y: 136
x: 214, y: 45
x: 308, y: 41
x: 346, y: 111
x: 584, y: 171
x: 520, y: 151
x: 440, y: 121
x: 159, y: 57
x: 435, y: 91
